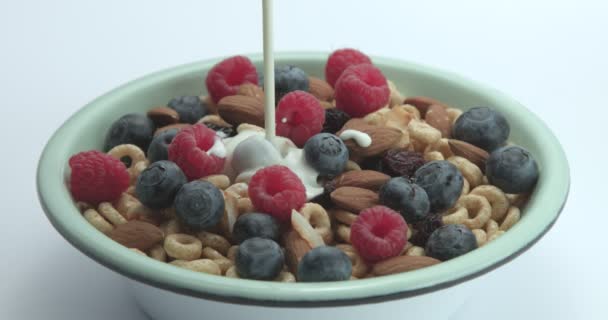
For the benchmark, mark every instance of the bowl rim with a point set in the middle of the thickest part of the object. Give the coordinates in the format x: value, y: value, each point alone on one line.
x: 64, y: 216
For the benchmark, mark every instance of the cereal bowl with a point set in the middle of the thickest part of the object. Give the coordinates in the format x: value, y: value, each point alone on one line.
x: 164, y: 291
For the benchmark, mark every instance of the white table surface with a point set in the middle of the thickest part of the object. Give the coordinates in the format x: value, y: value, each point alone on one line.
x: 55, y: 56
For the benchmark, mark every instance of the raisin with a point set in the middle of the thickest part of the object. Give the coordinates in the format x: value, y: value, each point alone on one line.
x: 334, y: 120
x: 424, y: 229
x: 400, y: 162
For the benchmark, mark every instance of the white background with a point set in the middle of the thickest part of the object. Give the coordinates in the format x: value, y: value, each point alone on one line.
x: 55, y: 56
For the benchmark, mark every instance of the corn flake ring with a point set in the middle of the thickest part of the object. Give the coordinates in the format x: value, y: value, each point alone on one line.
x: 183, y: 246
x: 97, y: 221
x: 108, y: 211
x: 125, y: 202
x: 158, y: 253
x: 466, y: 188
x: 471, y: 204
x: 210, y: 253
x: 415, y: 251
x: 221, y: 181
x: 513, y: 215
x: 131, y: 151
x: 231, y: 273
x: 214, y: 241
x: 480, y: 236
x: 343, y: 233
x: 498, y: 200
x: 495, y: 235
x: 135, y: 170
x: 199, y: 265
x: 469, y: 171
x: 319, y: 220
x: 224, y: 264
x: 360, y: 268
x: 433, y: 155
x: 422, y: 134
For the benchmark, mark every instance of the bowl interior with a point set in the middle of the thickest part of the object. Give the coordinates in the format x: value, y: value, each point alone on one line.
x: 86, y: 130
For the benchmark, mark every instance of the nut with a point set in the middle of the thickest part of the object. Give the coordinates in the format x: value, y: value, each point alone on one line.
x: 163, y: 116
x: 295, y: 248
x: 251, y: 90
x: 305, y: 230
x: 383, y: 138
x: 423, y: 103
x: 402, y: 264
x: 437, y: 116
x: 241, y: 109
x: 470, y: 152
x: 137, y: 234
x: 320, y: 89
x: 366, y: 179
x: 354, y: 199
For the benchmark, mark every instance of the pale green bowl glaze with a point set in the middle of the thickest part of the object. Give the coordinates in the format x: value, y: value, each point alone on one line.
x: 86, y: 130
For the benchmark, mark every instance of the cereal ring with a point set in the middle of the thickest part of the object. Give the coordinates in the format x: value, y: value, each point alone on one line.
x: 131, y: 151
x: 170, y: 227
x: 491, y: 227
x: 466, y: 187
x: 423, y: 134
x: 83, y: 206
x: 158, y: 253
x: 359, y: 268
x: 469, y: 171
x: 412, y: 110
x: 135, y: 170
x: 477, y: 208
x: 480, y: 236
x: 99, y: 222
x: 442, y: 145
x: 131, y: 190
x: 319, y: 220
x: 138, y: 251
x: 224, y: 264
x: 231, y: 273
x: 343, y: 233
x: 518, y: 200
x: 455, y: 215
x: 245, y: 205
x: 352, y: 166
x: 215, y: 241
x: 232, y: 253
x: 239, y: 190
x: 125, y: 202
x: 498, y: 200
x: 453, y: 114
x: 199, y: 265
x: 183, y: 246
x: 433, y: 155
x: 343, y: 216
x: 107, y: 211
x: 221, y: 181
x: 210, y: 253
x: 511, y: 218
x: 415, y: 251
x: 285, y: 276
x: 141, y: 212
x: 495, y: 235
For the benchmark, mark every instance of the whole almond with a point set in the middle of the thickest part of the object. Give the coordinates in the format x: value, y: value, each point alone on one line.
x: 163, y: 116
x: 137, y: 234
x: 241, y: 109
x: 366, y: 179
x: 437, y: 116
x: 402, y: 264
x: 423, y: 103
x: 320, y: 89
x: 383, y: 138
x: 470, y: 152
x: 251, y: 90
x: 354, y: 199
x: 177, y: 126
x: 295, y: 248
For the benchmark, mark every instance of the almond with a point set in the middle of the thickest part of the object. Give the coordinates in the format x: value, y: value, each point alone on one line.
x: 470, y: 152
x: 437, y: 117
x: 366, y: 179
x: 295, y: 248
x: 320, y: 89
x: 402, y: 264
x: 137, y: 234
x: 423, y: 103
x: 354, y: 199
x: 251, y: 90
x: 383, y: 138
x: 163, y: 116
x: 241, y: 109
x: 231, y: 213
x: 177, y: 126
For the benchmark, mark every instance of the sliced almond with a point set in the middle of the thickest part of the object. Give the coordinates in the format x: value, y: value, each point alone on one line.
x: 251, y: 90
x: 354, y: 199
x: 423, y: 103
x: 320, y: 89
x: 163, y: 116
x: 383, y: 138
x: 178, y: 126
x: 241, y: 109
x: 437, y: 116
x: 366, y: 179
x: 470, y: 152
x: 295, y: 248
x: 231, y: 213
x: 137, y: 234
x: 305, y: 229
x: 402, y: 264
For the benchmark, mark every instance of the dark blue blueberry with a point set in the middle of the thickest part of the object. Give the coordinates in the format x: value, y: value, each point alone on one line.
x: 158, y: 149
x: 133, y: 128
x: 189, y: 108
x: 158, y: 184
x: 483, y: 127
x: 334, y: 120
x: 259, y: 259
x: 512, y: 169
x: 287, y: 79
x: 199, y: 205
x: 450, y: 241
x: 442, y: 182
x: 326, y: 153
x: 407, y: 198
x: 324, y: 264
x: 251, y: 225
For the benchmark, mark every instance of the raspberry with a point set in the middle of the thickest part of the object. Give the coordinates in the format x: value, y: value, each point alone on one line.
x: 299, y: 116
x: 97, y: 177
x: 361, y: 89
x: 334, y: 120
x: 341, y: 59
x: 276, y: 190
x: 225, y: 77
x: 378, y: 233
x: 400, y: 162
x: 189, y: 150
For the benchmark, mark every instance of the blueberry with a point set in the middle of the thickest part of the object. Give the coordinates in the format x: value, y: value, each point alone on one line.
x: 158, y: 184
x: 512, y: 169
x: 224, y: 132
x: 326, y: 153
x: 407, y: 198
x: 132, y: 128
x: 251, y: 225
x: 334, y: 120
x: 259, y: 259
x: 199, y: 205
x: 483, y: 127
x: 287, y: 79
x: 324, y: 264
x: 158, y: 149
x: 450, y: 241
x: 442, y: 182
x: 189, y: 108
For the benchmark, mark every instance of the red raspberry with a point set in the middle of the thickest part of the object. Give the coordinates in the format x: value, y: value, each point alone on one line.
x: 276, y: 190
x: 299, y: 116
x: 361, y: 89
x: 189, y: 151
x: 341, y: 59
x: 378, y: 233
x: 225, y: 77
x: 97, y: 177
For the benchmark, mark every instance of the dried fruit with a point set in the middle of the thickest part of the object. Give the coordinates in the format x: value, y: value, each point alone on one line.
x: 401, y: 162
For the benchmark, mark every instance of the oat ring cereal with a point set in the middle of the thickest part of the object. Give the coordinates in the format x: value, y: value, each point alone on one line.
x: 511, y: 218
x: 183, y: 246
x: 422, y: 134
x: 415, y: 251
x: 107, y: 210
x: 99, y: 222
x: 199, y: 265
x: 158, y: 253
x: 359, y: 266
x: 319, y: 220
x: 469, y: 171
x: 476, y: 213
x: 343, y: 233
x: 498, y: 200
x: 480, y: 236
x: 214, y: 241
x: 131, y: 151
